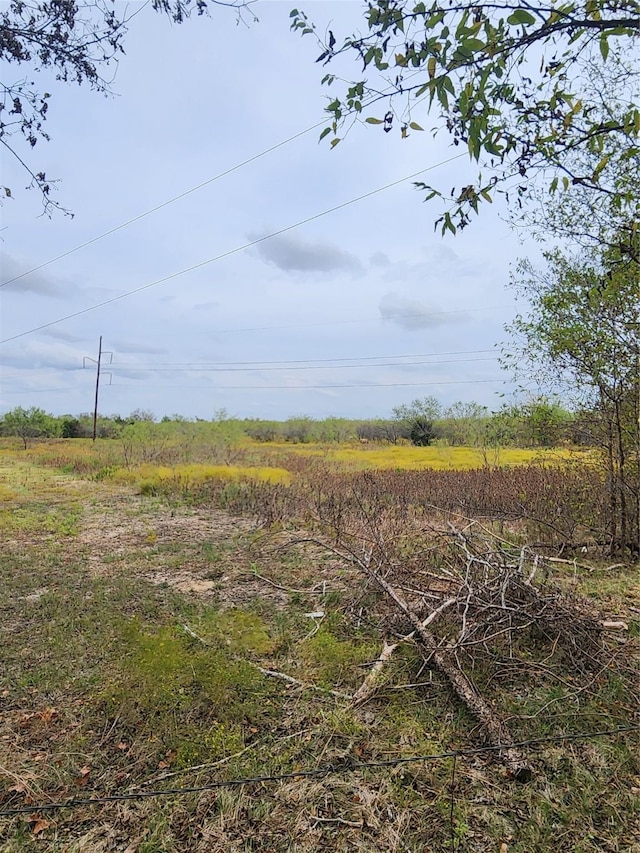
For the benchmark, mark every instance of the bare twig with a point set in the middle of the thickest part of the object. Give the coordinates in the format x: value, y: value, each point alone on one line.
x: 273, y: 673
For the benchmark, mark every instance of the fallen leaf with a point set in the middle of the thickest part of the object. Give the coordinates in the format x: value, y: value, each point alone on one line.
x: 47, y: 715
x: 162, y: 765
x: 39, y: 824
x: 504, y: 848
x: 122, y: 745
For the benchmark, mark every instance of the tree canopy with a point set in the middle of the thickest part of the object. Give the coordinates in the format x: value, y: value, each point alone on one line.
x: 525, y: 88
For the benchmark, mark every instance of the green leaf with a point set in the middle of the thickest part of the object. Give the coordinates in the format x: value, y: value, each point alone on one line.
x: 372, y: 120
x: 448, y: 225
x: 601, y: 165
x: 324, y: 133
x: 604, y: 46
x: 521, y: 16
x: 334, y: 142
x: 431, y: 67
x: 415, y: 126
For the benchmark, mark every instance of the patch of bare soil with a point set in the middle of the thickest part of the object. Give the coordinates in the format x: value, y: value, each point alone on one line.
x: 193, y: 551
x: 203, y: 552
x: 200, y: 552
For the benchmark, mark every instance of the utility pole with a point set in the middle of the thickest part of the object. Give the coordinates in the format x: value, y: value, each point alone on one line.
x: 98, y: 364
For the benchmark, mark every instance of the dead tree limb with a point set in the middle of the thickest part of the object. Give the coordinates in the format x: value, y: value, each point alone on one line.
x: 497, y: 732
x: 443, y: 658
x: 368, y: 685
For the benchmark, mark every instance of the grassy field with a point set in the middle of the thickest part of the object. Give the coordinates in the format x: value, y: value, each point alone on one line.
x: 147, y: 612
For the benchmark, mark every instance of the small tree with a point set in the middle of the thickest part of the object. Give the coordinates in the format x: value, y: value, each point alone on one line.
x: 417, y: 420
x: 547, y: 422
x: 422, y: 432
x: 70, y: 427
x: 28, y: 424
x: 582, y: 331
x: 465, y: 423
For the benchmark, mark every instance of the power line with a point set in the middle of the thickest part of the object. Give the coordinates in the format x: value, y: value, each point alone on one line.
x: 345, y: 765
x: 313, y: 387
x: 230, y: 252
x: 199, y: 186
x: 39, y: 391
x: 175, y: 198
x: 305, y: 367
x: 262, y: 365
x: 303, y: 360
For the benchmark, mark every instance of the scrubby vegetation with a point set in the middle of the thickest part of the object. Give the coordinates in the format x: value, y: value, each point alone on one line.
x: 538, y: 422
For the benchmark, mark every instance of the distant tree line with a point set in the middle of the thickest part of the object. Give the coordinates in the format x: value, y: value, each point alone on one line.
x: 540, y: 422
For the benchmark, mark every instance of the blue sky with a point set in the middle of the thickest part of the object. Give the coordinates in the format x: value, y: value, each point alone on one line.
x: 359, y: 310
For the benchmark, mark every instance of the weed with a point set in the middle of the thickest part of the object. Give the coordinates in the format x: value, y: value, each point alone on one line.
x: 336, y: 662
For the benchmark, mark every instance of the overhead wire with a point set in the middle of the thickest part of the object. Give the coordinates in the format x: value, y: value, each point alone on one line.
x: 308, y: 364
x: 183, y: 194
x: 229, y: 252
x: 301, y: 360
x: 163, y: 204
x: 497, y: 380
x: 304, y: 367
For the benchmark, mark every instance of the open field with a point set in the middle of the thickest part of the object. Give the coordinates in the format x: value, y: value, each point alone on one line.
x: 404, y: 457
x: 151, y: 607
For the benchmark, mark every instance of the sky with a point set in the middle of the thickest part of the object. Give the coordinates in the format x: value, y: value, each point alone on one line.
x: 273, y: 290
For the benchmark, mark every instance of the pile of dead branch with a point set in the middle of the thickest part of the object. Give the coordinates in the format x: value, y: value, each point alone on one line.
x: 480, y: 610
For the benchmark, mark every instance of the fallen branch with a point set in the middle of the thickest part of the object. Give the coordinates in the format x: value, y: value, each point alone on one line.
x: 273, y: 673
x: 443, y: 658
x: 368, y: 685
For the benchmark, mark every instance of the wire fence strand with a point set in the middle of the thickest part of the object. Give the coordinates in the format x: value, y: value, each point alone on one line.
x: 344, y: 765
